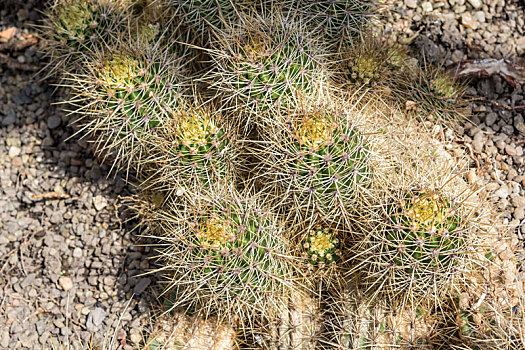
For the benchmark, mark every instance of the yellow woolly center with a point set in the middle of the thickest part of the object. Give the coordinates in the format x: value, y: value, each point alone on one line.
x: 444, y: 86
x: 321, y: 242
x: 120, y: 69
x: 315, y: 131
x: 215, y: 233
x: 195, y: 129
x: 428, y: 211
x: 148, y: 32
x: 74, y: 17
x: 365, y: 66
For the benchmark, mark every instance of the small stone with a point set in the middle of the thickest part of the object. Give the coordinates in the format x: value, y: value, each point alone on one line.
x: 491, y: 118
x: 65, y: 282
x: 503, y: 192
x: 53, y: 122
x: 426, y: 6
x: 472, y: 177
x: 141, y: 286
x: 477, y: 143
x: 468, y: 21
x: 135, y: 338
x: 9, y: 119
x: 99, y: 202
x: 412, y: 4
x: 95, y: 318
x: 475, y: 3
x: 519, y: 123
x: 14, y: 152
x: 510, y: 150
x: 77, y: 252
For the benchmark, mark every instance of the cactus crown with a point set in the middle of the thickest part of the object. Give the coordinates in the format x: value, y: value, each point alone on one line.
x: 424, y: 229
x: 321, y: 246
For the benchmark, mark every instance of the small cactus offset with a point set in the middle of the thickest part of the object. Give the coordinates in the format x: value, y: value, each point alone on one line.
x: 435, y: 95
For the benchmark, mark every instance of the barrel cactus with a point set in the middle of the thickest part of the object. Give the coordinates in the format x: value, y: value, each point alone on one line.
x: 130, y: 95
x: 76, y: 27
x: 418, y: 247
x: 225, y: 255
x: 265, y: 65
x: 339, y: 21
x: 320, y: 158
x: 196, y: 149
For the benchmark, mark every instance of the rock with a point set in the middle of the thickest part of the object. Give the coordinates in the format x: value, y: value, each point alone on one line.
x: 65, y: 282
x: 475, y: 3
x: 503, y: 192
x: 99, y: 202
x: 77, y: 252
x: 510, y: 150
x: 491, y: 118
x: 53, y: 122
x: 141, y: 286
x: 95, y: 318
x: 519, y: 123
x: 411, y: 4
x: 477, y: 143
x: 14, y: 151
x: 426, y: 6
x: 135, y: 337
x: 9, y: 119
x: 468, y: 21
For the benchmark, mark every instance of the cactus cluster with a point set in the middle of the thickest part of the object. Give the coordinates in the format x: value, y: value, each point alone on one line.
x: 286, y: 168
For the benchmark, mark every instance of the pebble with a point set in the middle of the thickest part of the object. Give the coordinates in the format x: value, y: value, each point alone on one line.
x: 95, y: 318
x: 53, y: 122
x: 65, y: 282
x: 14, y: 152
x: 141, y: 286
x: 475, y: 3
x: 468, y: 21
x: 99, y: 202
x: 412, y: 4
x: 519, y: 123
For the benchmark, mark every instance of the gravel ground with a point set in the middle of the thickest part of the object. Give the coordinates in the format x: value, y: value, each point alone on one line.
x: 68, y: 266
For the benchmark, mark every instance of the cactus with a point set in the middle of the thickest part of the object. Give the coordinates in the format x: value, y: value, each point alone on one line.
x: 339, y: 21
x: 206, y: 16
x: 197, y: 149
x: 77, y: 27
x: 129, y: 95
x: 319, y: 157
x: 322, y: 247
x: 418, y: 247
x: 178, y: 331
x: 369, y: 63
x: 265, y: 65
x: 226, y: 256
x: 437, y: 95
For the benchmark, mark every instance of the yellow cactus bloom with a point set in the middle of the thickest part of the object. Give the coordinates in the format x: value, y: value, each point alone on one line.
x: 321, y: 242
x: 428, y: 211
